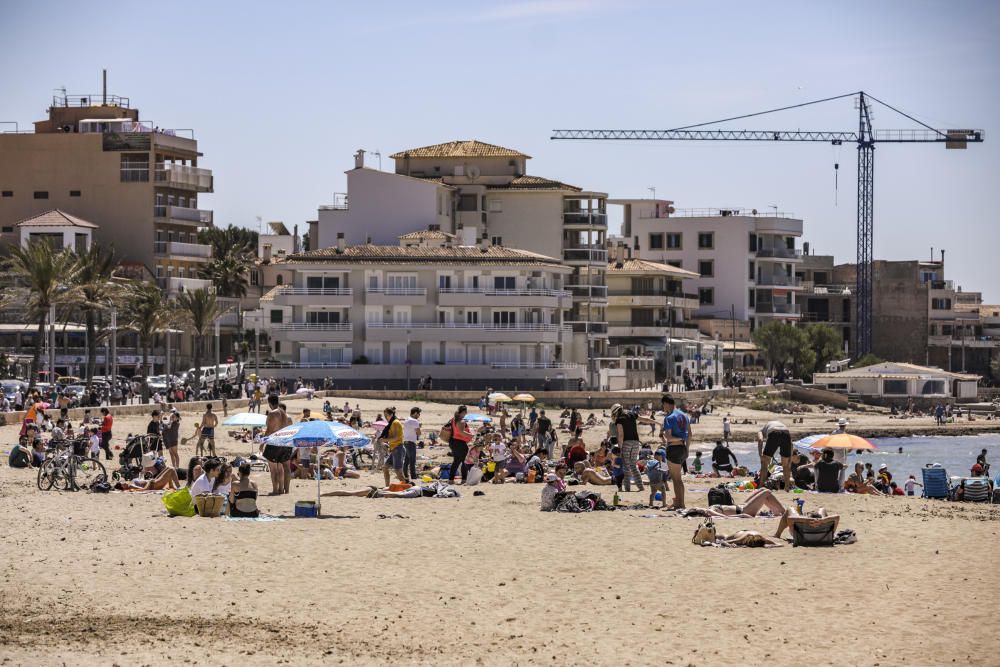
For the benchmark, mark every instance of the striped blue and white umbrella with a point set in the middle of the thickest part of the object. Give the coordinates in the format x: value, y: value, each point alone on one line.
x: 247, y: 419
x: 806, y: 443
x: 317, y: 434
x: 476, y: 417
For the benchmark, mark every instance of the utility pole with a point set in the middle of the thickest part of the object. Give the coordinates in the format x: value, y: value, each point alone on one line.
x: 114, y: 343
x: 217, y: 353
x: 732, y: 315
x: 52, y: 344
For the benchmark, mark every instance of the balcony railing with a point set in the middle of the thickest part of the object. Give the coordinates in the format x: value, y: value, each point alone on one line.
x: 588, y: 327
x: 778, y: 308
x: 179, y: 175
x: 195, y: 215
x: 138, y: 173
x: 584, y: 218
x: 588, y: 291
x: 397, y: 291
x: 305, y: 364
x: 315, y: 291
x: 528, y: 326
x: 780, y: 253
x: 182, y: 249
x: 174, y: 284
x: 581, y: 255
x: 778, y: 281
x: 669, y: 294
x: 313, y: 326
x: 534, y: 364
x: 487, y: 291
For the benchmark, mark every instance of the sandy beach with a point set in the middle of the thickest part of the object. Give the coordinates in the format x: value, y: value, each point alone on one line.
x: 110, y: 579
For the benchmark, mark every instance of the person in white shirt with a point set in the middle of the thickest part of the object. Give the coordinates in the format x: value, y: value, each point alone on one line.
x: 411, y: 434
x: 95, y: 443
x: 206, y: 483
x: 500, y: 454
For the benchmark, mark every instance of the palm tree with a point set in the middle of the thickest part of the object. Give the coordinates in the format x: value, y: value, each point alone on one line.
x: 93, y: 283
x: 225, y: 240
x: 146, y: 313
x: 229, y: 275
x: 198, y: 310
x: 43, y: 276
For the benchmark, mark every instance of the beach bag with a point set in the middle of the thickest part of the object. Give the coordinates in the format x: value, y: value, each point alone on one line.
x: 720, y: 495
x: 445, y: 434
x: 179, y: 502
x: 209, y: 504
x: 704, y: 533
x: 475, y: 476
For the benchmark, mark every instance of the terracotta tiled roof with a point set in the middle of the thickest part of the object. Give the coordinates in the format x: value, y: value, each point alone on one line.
x: 383, y: 254
x: 468, y: 148
x: 427, y: 235
x: 534, y: 183
x: 56, y: 218
x: 634, y: 265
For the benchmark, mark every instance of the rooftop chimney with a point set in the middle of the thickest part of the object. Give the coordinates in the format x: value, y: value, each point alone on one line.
x: 805, y: 248
x: 484, y: 243
x: 295, y: 239
x: 341, y: 243
x: 942, y: 257
x: 359, y: 159
x: 266, y: 253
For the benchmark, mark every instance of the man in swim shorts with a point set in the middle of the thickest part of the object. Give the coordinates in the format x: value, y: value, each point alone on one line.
x: 676, y: 433
x: 774, y: 437
x: 209, y: 422
x: 276, y: 456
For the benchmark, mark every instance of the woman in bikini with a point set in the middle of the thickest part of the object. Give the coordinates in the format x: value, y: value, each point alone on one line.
x: 758, y: 500
x: 243, y: 495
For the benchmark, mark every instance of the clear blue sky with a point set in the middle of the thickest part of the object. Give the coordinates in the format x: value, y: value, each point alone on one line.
x: 281, y: 94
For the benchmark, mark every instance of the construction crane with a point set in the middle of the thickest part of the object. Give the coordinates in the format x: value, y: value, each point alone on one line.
x: 865, y: 137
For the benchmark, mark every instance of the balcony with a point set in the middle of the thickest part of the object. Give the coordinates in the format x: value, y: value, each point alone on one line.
x: 779, y: 253
x: 477, y: 296
x: 179, y: 215
x: 652, y: 330
x: 779, y: 309
x: 396, y: 296
x: 305, y: 364
x: 584, y: 219
x: 595, y: 329
x: 588, y: 292
x: 187, y: 251
x: 288, y: 295
x: 463, y: 332
x: 585, y: 255
x: 779, y: 280
x: 176, y: 285
x: 185, y: 177
x: 535, y: 364
x: 313, y: 332
x: 653, y: 298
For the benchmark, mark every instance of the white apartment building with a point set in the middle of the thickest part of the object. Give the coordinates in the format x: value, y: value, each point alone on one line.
x: 472, y: 190
x: 745, y: 260
x: 388, y: 315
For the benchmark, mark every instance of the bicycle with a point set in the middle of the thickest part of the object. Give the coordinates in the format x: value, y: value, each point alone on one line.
x: 67, y: 471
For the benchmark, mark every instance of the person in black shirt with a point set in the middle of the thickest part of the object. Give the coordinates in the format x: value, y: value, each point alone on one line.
x: 542, y: 426
x: 628, y: 435
x: 827, y: 473
x: 153, y: 431
x: 721, y: 457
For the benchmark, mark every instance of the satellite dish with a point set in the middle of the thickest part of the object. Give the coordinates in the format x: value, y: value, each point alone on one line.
x: 472, y: 172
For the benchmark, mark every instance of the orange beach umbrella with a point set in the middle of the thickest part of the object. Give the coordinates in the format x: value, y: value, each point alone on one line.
x: 842, y: 441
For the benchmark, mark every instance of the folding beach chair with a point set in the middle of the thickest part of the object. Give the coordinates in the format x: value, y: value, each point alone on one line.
x: 936, y: 483
x: 814, y: 532
x: 977, y: 490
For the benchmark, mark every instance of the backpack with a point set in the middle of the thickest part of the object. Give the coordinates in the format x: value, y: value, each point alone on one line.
x: 720, y: 495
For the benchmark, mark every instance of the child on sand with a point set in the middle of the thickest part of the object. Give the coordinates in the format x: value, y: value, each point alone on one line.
x: 657, y: 473
x: 696, y: 464
x: 617, y: 467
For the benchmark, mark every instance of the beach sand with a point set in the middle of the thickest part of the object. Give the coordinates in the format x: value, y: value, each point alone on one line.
x: 110, y: 579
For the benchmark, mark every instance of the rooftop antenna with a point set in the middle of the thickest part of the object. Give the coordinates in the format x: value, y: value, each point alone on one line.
x: 260, y: 225
x: 377, y: 153
x: 652, y: 189
x: 104, y: 87
x: 775, y: 207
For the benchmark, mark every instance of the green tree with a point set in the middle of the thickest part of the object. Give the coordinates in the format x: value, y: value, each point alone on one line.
x: 867, y: 360
x: 785, y: 347
x: 825, y: 343
x: 305, y: 242
x: 42, y: 277
x: 198, y: 310
x: 228, y: 240
x: 93, y: 284
x: 995, y: 367
x: 146, y: 313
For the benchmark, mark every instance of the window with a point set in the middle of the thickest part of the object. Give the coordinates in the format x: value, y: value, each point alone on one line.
x: 503, y: 282
x: 753, y: 242
x: 706, y: 296
x: 322, y: 317
x: 676, y: 263
x: 753, y: 297
x: 674, y: 240
x: 430, y: 353
x: 8, y: 230
x: 896, y: 387
x: 400, y: 281
x: 255, y: 278
x: 444, y: 282
x: 504, y: 318
x: 656, y: 241
x: 74, y: 193
x: 495, y: 205
x: 276, y: 316
x: 8, y: 193
x: 706, y: 240
x: 706, y: 268
x: 472, y: 317
x: 496, y: 240
x: 323, y: 282
x: 475, y: 282
x: 280, y: 280
x: 940, y: 304
x: 277, y: 347
x: 467, y: 202
x: 41, y: 194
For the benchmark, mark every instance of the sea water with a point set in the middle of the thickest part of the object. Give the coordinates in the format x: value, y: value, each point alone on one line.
x: 956, y: 454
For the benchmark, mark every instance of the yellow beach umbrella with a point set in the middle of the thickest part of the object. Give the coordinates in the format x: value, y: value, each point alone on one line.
x: 525, y: 398
x: 499, y: 397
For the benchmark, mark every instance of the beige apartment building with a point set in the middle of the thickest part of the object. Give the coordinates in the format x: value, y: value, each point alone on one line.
x: 388, y: 315
x: 139, y: 183
x: 471, y: 190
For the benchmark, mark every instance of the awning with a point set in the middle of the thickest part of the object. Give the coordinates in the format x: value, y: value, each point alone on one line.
x: 652, y: 344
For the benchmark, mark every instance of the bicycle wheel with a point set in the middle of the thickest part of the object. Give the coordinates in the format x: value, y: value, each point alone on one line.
x: 45, y: 476
x: 87, y: 473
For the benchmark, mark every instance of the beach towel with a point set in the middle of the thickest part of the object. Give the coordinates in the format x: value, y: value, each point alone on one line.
x: 262, y: 517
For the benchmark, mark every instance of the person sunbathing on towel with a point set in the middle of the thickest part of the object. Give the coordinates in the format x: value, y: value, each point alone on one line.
x: 588, y: 475
x: 790, y: 518
x: 758, y: 500
x: 375, y: 492
x: 167, y: 479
